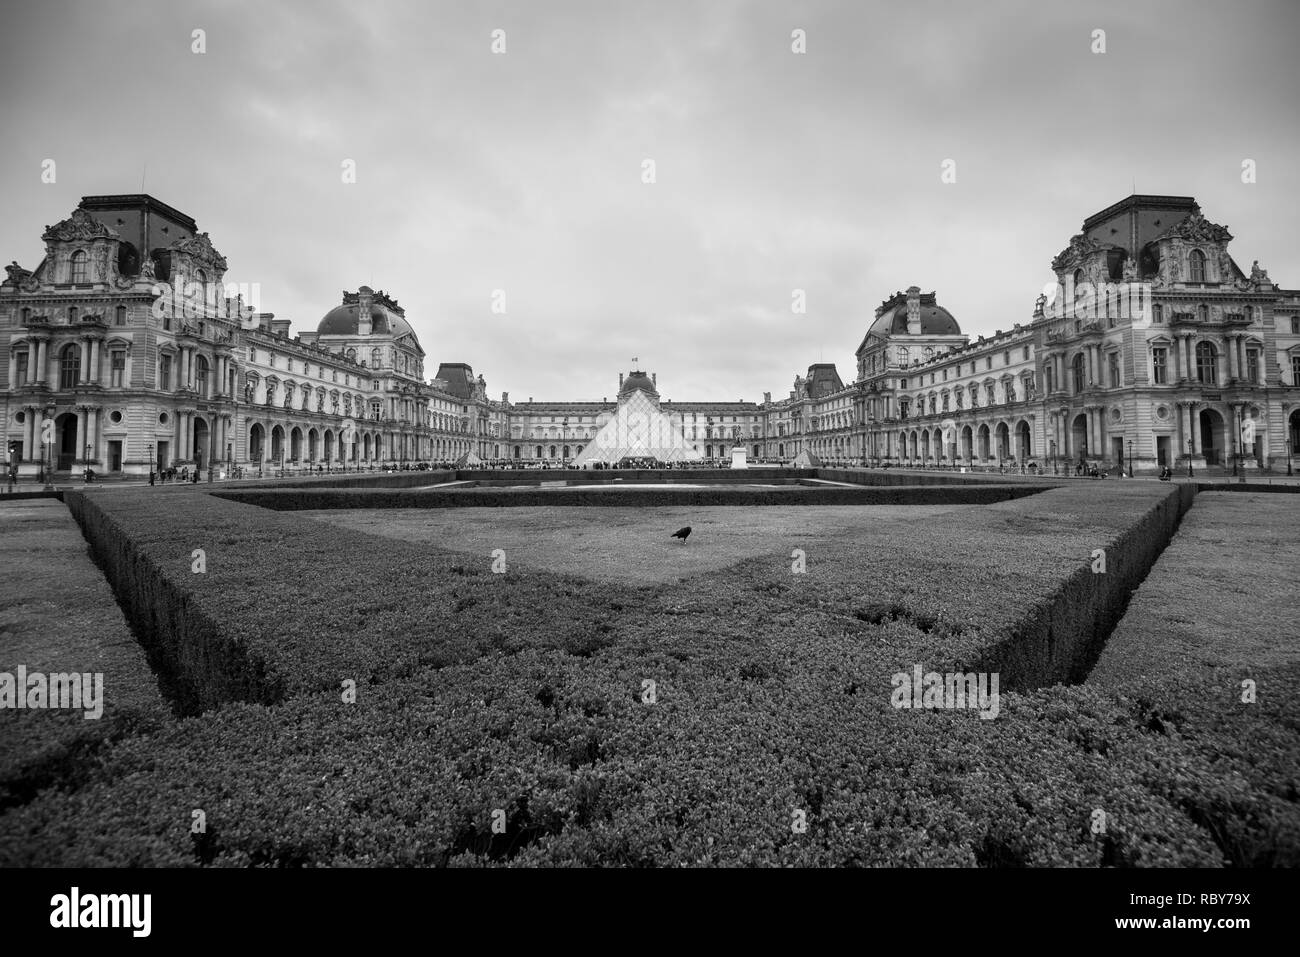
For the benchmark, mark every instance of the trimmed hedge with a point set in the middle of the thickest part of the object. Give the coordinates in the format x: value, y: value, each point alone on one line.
x: 311, y: 499
x: 523, y: 692
x: 586, y: 774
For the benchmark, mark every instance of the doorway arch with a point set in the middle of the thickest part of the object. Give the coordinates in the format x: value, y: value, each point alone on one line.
x: 1212, y: 437
x: 256, y: 442
x: 64, y: 451
x: 199, y: 441
x: 1079, y: 437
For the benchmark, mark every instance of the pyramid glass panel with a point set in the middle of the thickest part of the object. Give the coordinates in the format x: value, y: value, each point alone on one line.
x: 638, y: 430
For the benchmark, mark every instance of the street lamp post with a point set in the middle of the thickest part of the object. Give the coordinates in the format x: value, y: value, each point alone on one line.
x: 150, y: 464
x: 1130, y: 458
x: 1189, y: 456
x: 47, y: 466
x: 86, y: 461
x: 1288, y: 453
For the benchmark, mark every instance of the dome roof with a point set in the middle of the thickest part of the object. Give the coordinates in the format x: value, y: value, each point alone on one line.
x: 342, y: 321
x: 638, y: 380
x: 935, y: 321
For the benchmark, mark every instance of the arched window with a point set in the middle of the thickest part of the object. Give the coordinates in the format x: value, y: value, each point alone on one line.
x: 201, y: 280
x: 1206, y: 363
x: 1196, y: 266
x: 902, y: 355
x: 201, y: 376
x: 72, y: 314
x: 1079, y: 367
x: 69, y: 367
x: 1078, y: 281
x: 374, y: 358
x: 79, y: 262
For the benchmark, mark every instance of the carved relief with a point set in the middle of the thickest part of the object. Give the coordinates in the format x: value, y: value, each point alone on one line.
x: 1197, y: 229
x: 17, y: 274
x: 201, y: 250
x: 79, y: 225
x: 1081, y: 247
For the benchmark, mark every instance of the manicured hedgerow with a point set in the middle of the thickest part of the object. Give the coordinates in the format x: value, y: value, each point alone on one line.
x: 312, y: 498
x: 771, y: 694
x: 713, y: 772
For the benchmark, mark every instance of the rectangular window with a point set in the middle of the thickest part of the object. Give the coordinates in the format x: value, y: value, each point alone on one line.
x: 988, y: 362
x: 167, y: 322
x: 1252, y: 365
x: 20, y: 368
x: 1006, y: 358
x: 117, y: 368
x: 119, y: 316
x: 1160, y: 366
x: 1113, y: 363
x: 1295, y: 370
x: 1295, y: 325
x: 1025, y: 354
x: 165, y: 372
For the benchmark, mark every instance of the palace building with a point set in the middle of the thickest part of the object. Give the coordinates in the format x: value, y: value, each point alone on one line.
x: 1154, y: 347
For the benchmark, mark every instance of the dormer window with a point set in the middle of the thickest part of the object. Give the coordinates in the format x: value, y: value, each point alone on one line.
x: 1196, y: 266
x: 79, y: 263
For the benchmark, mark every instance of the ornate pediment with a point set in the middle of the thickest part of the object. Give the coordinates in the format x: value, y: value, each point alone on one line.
x: 1197, y: 229
x: 1081, y: 247
x: 80, y: 225
x: 200, y: 249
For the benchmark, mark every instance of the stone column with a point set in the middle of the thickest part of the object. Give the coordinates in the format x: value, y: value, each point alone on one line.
x: 80, y: 448
x: 39, y: 361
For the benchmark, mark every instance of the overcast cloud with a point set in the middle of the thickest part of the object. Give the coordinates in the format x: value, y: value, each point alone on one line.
x: 775, y: 171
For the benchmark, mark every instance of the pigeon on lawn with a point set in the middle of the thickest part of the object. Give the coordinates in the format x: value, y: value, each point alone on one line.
x: 681, y: 533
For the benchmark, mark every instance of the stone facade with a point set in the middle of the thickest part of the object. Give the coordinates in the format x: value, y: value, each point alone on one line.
x: 1154, y: 347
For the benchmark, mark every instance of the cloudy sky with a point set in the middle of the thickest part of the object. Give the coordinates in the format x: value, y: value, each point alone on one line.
x: 774, y: 171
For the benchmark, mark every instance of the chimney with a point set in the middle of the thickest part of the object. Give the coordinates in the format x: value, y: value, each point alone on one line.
x: 767, y: 398
x: 505, y: 398
x: 654, y: 377
x: 620, y: 380
x: 280, y: 327
x: 364, y: 300
x: 913, y: 310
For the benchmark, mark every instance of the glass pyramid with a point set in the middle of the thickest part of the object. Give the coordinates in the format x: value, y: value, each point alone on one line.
x: 638, y: 430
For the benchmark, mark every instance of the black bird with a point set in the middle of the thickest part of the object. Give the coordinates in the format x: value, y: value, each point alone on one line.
x: 681, y: 533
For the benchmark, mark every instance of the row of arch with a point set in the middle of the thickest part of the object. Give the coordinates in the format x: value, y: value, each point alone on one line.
x: 1001, y: 442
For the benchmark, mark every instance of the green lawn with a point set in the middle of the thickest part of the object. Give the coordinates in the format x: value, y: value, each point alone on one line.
x: 58, y: 615
x: 633, y: 545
